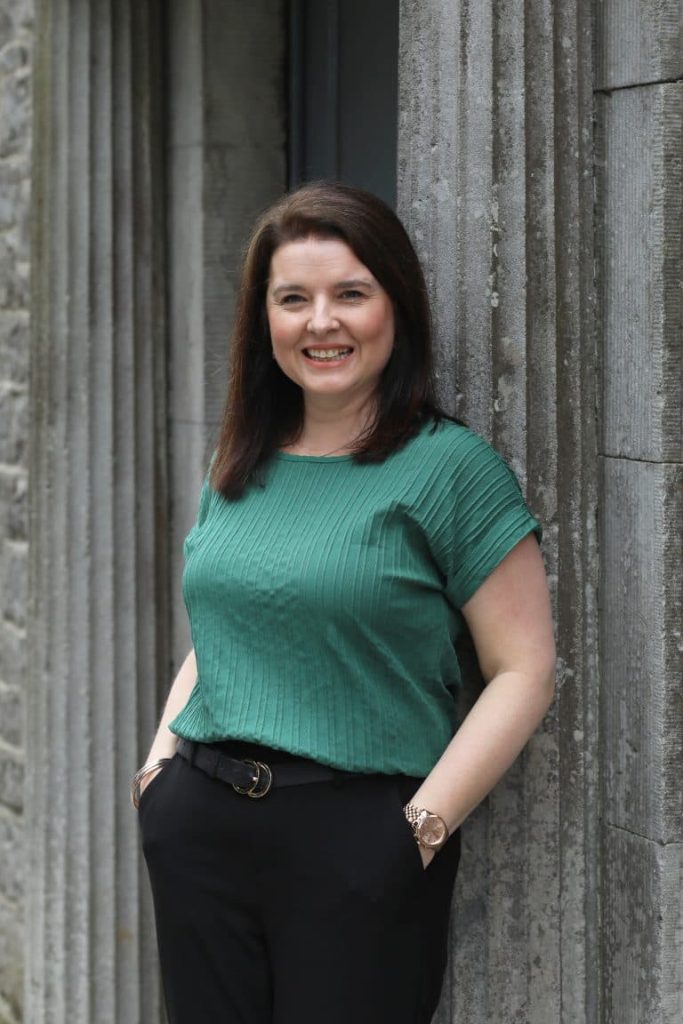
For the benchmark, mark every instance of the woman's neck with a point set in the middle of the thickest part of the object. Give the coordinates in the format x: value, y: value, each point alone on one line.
x: 328, y: 431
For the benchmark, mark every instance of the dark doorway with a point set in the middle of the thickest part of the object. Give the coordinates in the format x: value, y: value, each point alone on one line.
x: 343, y: 93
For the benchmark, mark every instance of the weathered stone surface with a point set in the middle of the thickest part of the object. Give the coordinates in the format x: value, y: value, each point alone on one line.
x: 13, y: 582
x: 11, y: 958
x: 640, y: 213
x: 13, y: 423
x: 11, y: 720
x: 14, y: 191
x: 15, y: 168
x: 642, y: 649
x: 14, y: 282
x: 639, y: 140
x: 17, y: 18
x: 12, y: 655
x: 12, y: 854
x: 13, y: 505
x: 14, y: 335
x: 7, y: 1016
x: 11, y: 778
x: 13, y: 56
x: 15, y: 99
x: 638, y: 41
x: 642, y: 930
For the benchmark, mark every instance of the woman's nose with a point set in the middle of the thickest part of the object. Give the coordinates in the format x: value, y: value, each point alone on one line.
x: 322, y: 318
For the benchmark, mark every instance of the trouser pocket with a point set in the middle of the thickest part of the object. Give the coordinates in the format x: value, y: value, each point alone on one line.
x: 151, y: 786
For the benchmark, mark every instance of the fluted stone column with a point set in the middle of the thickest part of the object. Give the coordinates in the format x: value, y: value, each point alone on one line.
x: 639, y: 119
x: 98, y: 650
x: 495, y: 186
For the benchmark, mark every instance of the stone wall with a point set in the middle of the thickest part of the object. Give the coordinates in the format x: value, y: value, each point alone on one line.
x: 639, y: 218
x: 16, y: 21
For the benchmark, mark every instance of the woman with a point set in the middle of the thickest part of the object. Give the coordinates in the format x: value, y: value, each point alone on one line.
x: 303, y: 841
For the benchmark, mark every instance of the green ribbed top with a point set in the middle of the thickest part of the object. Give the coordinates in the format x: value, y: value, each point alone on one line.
x: 323, y: 604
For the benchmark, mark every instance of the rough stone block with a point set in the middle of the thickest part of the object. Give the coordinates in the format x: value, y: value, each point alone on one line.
x: 640, y: 229
x: 13, y: 56
x: 13, y: 423
x: 11, y: 715
x: 15, y: 110
x: 12, y: 655
x: 12, y: 856
x: 13, y: 174
x: 13, y: 505
x: 11, y: 780
x: 642, y: 930
x: 14, y: 346
x: 638, y: 41
x: 642, y: 648
x: 14, y: 285
x: 11, y: 956
x: 14, y: 582
x: 17, y: 17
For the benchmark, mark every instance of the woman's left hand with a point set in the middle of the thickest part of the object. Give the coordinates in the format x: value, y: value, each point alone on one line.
x: 427, y: 855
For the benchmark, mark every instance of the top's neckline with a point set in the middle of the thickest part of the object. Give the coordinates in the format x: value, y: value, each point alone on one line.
x: 291, y: 457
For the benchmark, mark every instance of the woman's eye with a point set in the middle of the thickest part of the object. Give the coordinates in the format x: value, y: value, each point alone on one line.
x: 352, y: 293
x: 291, y: 300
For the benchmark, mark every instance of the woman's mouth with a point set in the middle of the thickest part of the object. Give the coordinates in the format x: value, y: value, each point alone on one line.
x: 327, y: 355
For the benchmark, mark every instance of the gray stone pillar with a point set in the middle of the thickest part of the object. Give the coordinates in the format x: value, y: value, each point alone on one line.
x: 98, y: 644
x: 495, y: 186
x: 639, y: 108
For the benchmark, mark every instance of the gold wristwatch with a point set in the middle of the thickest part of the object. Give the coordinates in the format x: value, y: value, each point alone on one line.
x: 429, y: 829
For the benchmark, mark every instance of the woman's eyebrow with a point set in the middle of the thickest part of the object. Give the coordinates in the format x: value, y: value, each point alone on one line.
x: 355, y: 282
x: 288, y: 288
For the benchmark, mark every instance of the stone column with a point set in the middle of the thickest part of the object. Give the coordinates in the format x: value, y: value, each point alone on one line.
x: 639, y: 108
x: 98, y: 644
x: 16, y: 38
x: 495, y: 186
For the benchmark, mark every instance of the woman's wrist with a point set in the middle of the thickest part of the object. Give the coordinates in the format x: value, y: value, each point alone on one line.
x: 143, y: 773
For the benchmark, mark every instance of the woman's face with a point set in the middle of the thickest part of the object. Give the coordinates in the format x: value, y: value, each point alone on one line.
x: 331, y: 323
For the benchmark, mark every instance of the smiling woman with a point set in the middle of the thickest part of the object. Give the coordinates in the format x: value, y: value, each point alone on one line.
x: 303, y: 843
x: 327, y: 264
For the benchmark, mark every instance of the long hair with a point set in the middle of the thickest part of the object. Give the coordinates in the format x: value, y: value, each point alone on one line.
x: 264, y: 408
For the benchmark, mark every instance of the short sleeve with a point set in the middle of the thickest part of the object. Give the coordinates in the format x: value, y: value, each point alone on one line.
x: 489, y: 517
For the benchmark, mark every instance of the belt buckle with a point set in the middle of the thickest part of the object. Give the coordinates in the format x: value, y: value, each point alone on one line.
x: 253, y: 791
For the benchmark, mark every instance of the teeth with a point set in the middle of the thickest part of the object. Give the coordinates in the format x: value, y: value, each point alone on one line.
x: 327, y: 353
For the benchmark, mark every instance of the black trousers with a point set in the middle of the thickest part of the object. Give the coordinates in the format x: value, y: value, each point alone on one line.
x: 310, y: 905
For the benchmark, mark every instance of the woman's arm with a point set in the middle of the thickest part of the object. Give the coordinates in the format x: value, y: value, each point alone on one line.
x: 510, y: 620
x: 165, y: 741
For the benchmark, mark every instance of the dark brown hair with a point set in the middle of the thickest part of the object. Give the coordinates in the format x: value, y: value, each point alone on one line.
x: 264, y: 408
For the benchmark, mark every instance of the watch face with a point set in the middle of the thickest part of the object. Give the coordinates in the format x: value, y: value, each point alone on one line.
x: 432, y: 831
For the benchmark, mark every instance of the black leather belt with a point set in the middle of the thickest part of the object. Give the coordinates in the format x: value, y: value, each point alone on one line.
x: 255, y: 778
